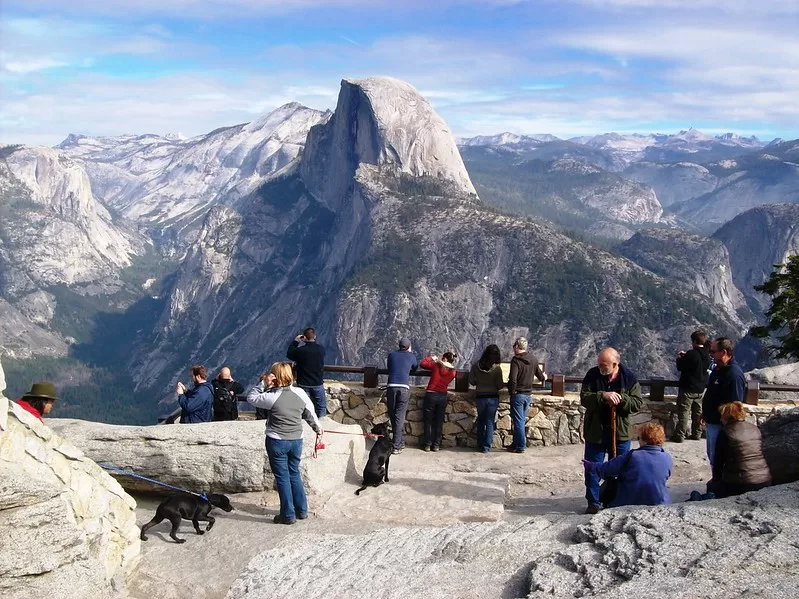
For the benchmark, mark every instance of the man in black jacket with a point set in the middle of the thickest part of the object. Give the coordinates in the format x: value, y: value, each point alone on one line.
x: 693, y: 366
x: 310, y: 360
x: 226, y: 392
x: 523, y: 367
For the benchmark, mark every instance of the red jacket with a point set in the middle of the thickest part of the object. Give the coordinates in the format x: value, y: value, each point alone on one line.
x: 29, y: 408
x: 440, y: 376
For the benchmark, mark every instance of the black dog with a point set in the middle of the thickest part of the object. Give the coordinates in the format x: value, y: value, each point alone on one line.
x: 190, y: 507
x: 376, y: 470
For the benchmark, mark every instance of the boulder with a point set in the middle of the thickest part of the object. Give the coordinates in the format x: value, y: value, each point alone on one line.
x: 781, y: 445
x: 783, y: 374
x: 68, y: 529
x: 738, y: 547
x: 224, y: 457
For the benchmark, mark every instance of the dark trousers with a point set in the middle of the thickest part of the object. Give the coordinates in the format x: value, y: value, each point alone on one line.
x: 318, y: 398
x: 721, y: 489
x: 397, y: 401
x: 689, y: 405
x: 435, y: 407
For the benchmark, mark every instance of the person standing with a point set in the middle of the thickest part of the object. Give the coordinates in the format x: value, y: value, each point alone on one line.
x: 486, y: 375
x: 610, y: 394
x: 196, y: 403
x: 693, y: 366
x: 400, y: 365
x: 727, y: 384
x: 39, y: 400
x: 442, y: 373
x: 226, y: 392
x: 523, y: 368
x: 287, y: 406
x: 310, y: 361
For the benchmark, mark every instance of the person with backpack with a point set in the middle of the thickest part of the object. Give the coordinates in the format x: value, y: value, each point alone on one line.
x: 226, y: 392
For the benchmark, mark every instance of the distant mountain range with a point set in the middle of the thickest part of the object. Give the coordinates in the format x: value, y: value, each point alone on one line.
x: 125, y: 259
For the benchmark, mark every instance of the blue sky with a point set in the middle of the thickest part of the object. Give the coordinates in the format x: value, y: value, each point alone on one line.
x: 566, y: 67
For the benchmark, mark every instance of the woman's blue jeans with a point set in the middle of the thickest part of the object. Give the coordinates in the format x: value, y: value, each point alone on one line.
x: 284, y: 459
x: 486, y: 413
x: 519, y: 404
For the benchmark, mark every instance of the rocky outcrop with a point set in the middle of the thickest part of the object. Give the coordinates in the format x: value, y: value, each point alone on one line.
x: 380, y: 121
x: 223, y: 457
x: 69, y: 529
x: 757, y: 240
x: 675, y: 182
x: 781, y: 445
x: 701, y: 263
x: 743, y: 546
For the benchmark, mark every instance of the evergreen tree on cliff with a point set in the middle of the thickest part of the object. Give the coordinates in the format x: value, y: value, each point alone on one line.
x: 783, y: 315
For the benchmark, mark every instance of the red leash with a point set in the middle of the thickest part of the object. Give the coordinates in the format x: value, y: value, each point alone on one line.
x: 319, y: 446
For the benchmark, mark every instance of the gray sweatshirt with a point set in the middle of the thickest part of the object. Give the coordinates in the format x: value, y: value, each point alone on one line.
x: 287, y: 407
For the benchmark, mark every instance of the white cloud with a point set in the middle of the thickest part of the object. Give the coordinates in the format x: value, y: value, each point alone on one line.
x: 22, y: 66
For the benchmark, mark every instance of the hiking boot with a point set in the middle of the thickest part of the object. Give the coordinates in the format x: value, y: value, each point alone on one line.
x: 302, y: 516
x: 279, y: 520
x: 592, y: 509
x: 677, y: 439
x: 434, y: 448
x: 396, y: 451
x: 696, y: 437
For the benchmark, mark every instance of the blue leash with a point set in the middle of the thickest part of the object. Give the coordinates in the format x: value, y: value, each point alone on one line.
x: 150, y: 480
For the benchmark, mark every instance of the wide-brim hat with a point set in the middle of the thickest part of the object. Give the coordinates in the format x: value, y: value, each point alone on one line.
x: 41, y: 391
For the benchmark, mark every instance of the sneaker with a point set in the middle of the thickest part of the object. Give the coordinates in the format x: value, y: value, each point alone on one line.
x: 279, y: 520
x: 427, y: 448
x: 434, y: 448
x: 302, y: 516
x: 396, y: 451
x: 510, y: 449
x: 592, y: 509
x: 484, y: 450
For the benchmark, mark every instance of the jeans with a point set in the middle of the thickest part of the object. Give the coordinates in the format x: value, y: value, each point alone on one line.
x: 519, y: 404
x: 713, y: 431
x: 284, y: 459
x: 319, y: 399
x: 397, y: 401
x: 435, y: 407
x: 688, y: 405
x: 595, y: 452
x: 486, y: 413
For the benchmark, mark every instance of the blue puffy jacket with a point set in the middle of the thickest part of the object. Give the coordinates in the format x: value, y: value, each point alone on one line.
x: 197, y: 404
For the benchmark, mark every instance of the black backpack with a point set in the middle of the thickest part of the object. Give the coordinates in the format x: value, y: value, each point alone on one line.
x: 225, y: 402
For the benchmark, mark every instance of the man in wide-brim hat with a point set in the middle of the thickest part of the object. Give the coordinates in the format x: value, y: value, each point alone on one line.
x: 39, y: 400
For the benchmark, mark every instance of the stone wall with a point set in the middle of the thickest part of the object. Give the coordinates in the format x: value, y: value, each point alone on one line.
x: 550, y: 420
x: 68, y: 529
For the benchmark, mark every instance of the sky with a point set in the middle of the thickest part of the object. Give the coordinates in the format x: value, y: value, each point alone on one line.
x: 565, y: 67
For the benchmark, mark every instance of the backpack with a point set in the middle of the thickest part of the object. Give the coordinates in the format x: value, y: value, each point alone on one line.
x: 225, y: 401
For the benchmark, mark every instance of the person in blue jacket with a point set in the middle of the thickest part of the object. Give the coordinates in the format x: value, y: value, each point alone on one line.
x: 642, y: 473
x: 197, y: 403
x: 727, y: 384
x: 398, y: 393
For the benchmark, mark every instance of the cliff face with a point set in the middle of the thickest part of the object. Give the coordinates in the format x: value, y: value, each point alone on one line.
x: 757, y: 240
x: 701, y: 263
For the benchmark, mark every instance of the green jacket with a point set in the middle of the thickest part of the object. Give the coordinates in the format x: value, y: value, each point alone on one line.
x: 597, y: 411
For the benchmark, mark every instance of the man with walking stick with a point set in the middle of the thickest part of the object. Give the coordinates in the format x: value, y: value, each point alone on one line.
x: 610, y: 394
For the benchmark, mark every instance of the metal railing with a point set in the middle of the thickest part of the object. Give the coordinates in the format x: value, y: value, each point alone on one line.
x: 556, y: 383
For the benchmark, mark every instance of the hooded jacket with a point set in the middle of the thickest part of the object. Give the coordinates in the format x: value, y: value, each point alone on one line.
x: 523, y: 367
x: 197, y: 404
x: 440, y: 375
x: 488, y: 382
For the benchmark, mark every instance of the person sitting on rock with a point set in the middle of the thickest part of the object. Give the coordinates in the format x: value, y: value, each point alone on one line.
x: 641, y: 474
x: 740, y: 465
x: 442, y: 372
x: 39, y: 400
x: 197, y: 403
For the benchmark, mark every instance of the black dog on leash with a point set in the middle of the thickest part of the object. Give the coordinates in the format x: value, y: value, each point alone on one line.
x: 190, y: 507
x: 376, y: 470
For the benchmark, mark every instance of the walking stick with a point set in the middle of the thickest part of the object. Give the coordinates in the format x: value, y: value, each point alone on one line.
x: 612, y: 432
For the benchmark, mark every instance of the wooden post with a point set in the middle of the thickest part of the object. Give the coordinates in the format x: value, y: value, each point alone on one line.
x: 370, y: 380
x: 558, y: 385
x: 461, y: 381
x: 752, y: 396
x: 657, y: 390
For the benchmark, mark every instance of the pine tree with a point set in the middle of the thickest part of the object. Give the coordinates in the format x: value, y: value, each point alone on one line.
x: 783, y: 315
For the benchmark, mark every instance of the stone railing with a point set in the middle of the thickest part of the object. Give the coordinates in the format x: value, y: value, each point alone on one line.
x: 550, y: 420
